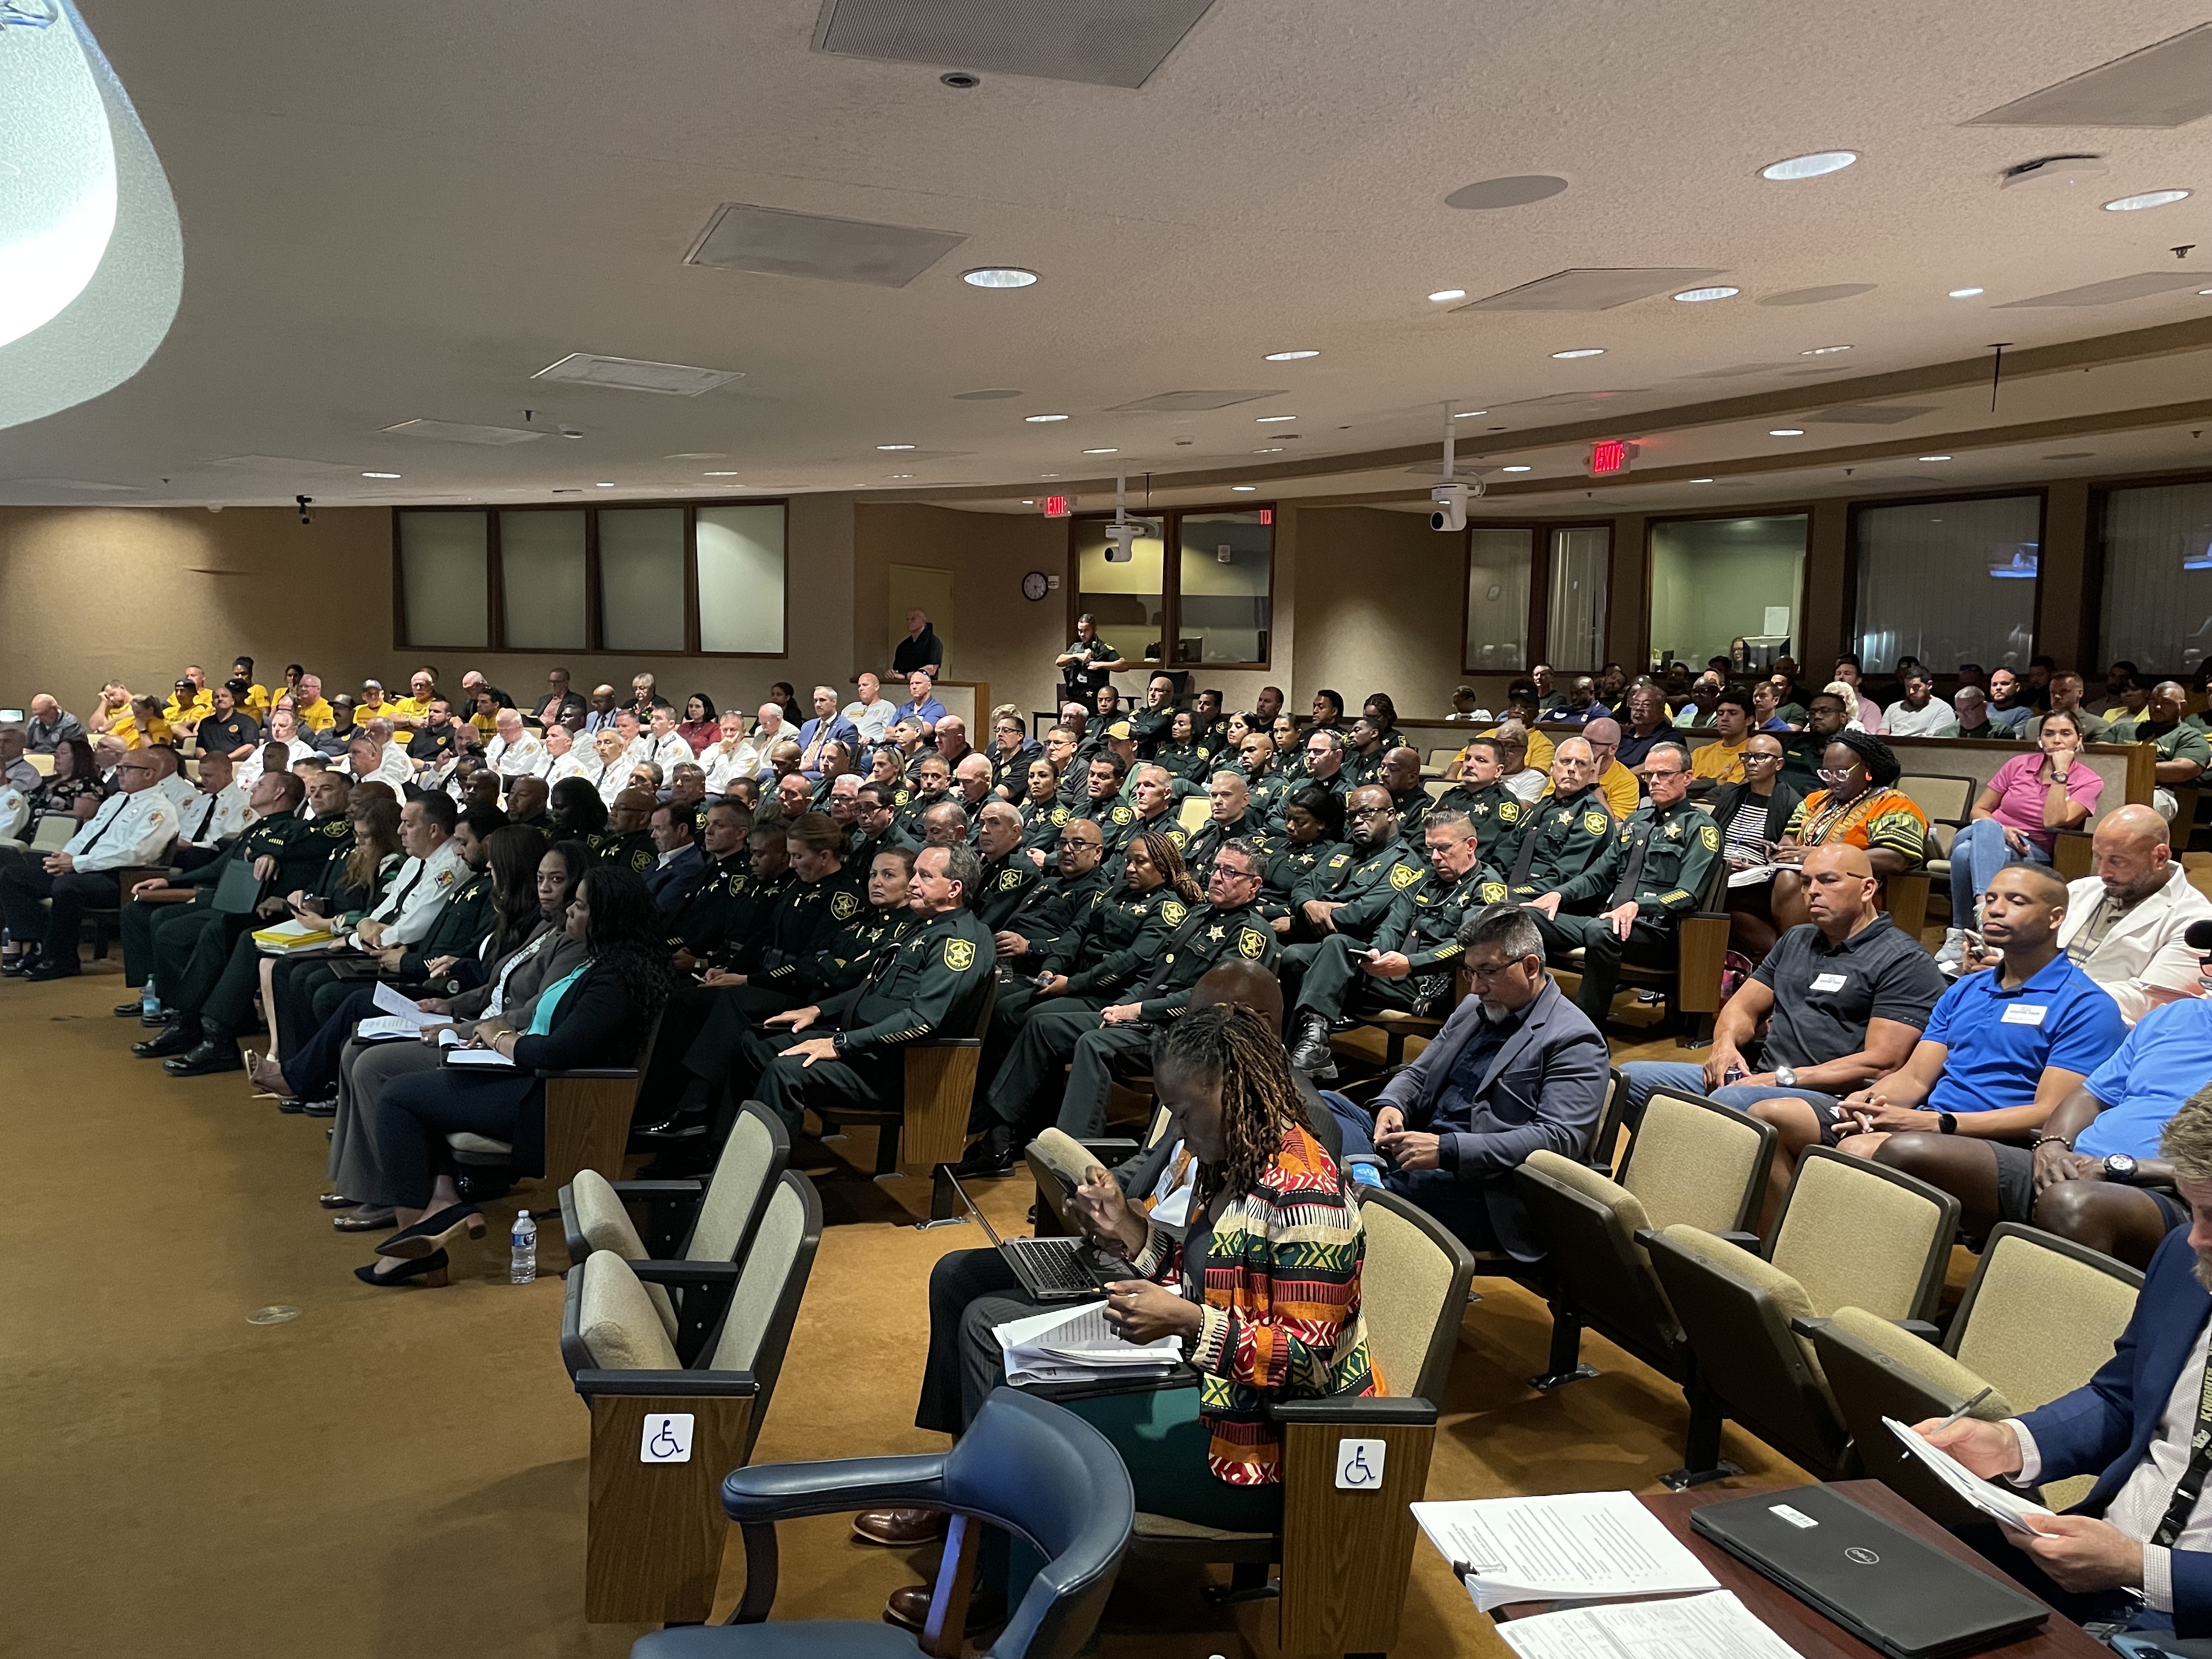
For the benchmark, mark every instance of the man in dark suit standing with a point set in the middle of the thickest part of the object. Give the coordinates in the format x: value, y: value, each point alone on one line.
x: 2137, y: 1551
x: 1516, y: 1068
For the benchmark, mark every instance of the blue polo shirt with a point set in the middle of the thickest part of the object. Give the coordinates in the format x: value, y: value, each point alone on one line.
x: 2165, y: 1058
x: 2000, y: 1040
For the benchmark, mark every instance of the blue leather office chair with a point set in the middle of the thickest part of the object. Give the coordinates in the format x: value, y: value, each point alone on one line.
x: 1024, y: 1465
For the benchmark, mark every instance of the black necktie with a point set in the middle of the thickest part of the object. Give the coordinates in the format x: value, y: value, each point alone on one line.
x: 103, y: 828
x: 1631, y: 869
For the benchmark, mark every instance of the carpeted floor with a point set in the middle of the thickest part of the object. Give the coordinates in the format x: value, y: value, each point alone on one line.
x: 398, y: 1474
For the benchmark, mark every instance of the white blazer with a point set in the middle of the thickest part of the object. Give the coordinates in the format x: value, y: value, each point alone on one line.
x: 2144, y: 961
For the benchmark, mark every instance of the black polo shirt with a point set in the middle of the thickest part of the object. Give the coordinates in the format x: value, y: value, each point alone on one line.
x: 1824, y: 994
x: 231, y: 733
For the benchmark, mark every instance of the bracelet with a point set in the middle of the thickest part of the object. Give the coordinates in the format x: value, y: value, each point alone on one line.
x: 2035, y: 1141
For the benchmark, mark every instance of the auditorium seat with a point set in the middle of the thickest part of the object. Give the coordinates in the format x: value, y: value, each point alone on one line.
x: 1194, y: 812
x: 929, y: 1127
x: 1693, y: 985
x: 653, y: 1544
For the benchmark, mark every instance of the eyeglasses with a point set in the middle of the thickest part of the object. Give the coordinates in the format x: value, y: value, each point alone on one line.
x: 1374, y: 811
x: 1763, y: 759
x: 1836, y: 774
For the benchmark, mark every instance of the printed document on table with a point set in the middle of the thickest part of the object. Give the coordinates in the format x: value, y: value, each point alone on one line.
x: 1715, y: 1626
x: 1069, y: 1345
x: 2008, y: 1508
x: 1579, y: 1546
x: 389, y: 1001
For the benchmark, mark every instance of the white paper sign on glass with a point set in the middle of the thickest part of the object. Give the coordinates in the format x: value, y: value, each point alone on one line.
x: 1360, y: 1465
x: 666, y: 1438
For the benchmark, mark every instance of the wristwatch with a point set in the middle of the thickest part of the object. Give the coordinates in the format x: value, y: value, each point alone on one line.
x: 1947, y: 1123
x: 2119, y: 1167
x: 1786, y: 1076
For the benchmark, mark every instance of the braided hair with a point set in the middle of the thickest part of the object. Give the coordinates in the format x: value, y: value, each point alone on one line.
x: 1236, y: 1048
x: 1165, y: 859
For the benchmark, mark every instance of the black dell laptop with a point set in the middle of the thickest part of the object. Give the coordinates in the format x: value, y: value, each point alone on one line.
x: 1885, y: 1587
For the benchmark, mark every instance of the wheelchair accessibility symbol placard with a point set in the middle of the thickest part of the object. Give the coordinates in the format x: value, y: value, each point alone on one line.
x: 667, y: 1438
x: 1360, y: 1465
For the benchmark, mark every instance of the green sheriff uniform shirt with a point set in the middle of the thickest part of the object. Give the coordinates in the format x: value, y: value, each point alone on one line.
x: 1209, y: 838
x: 1681, y: 846
x: 1290, y: 867
x: 461, y: 928
x: 804, y: 919
x: 1149, y: 727
x: 1413, y: 806
x: 1191, y: 761
x: 933, y: 975
x: 1116, y: 941
x: 302, y: 850
x: 1496, y: 813
x: 1364, y: 769
x: 1052, y: 905
x: 2185, y: 742
x: 1363, y: 884
x: 847, y: 952
x: 1205, y: 937
x: 1166, y: 825
x: 1565, y: 837
x: 713, y: 907
x: 1042, y: 821
x: 738, y: 950
x: 633, y: 851
x: 1005, y: 881
x: 1424, y: 922
x: 1267, y: 792
x: 1113, y: 817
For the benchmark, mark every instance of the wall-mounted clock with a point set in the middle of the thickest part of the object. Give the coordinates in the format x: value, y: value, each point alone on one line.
x: 1034, y: 586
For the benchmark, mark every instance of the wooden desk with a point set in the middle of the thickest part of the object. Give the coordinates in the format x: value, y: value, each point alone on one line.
x: 1812, y: 1633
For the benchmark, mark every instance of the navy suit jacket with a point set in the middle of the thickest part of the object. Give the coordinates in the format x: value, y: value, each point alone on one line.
x: 671, y: 883
x: 2105, y: 1426
x: 1544, y: 1089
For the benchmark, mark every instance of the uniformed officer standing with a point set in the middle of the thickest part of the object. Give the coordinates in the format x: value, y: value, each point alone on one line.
x: 1088, y: 664
x: 1495, y: 811
x: 1655, y: 870
x: 1416, y: 953
x: 846, y: 1050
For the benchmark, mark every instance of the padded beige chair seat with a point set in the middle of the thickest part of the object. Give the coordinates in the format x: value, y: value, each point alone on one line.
x: 467, y: 1146
x: 602, y: 1220
x: 1194, y: 812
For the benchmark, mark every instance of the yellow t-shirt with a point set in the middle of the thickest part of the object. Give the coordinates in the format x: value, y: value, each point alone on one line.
x: 486, y: 724
x: 1721, y: 762
x: 201, y: 705
x: 1540, y: 748
x: 317, y: 716
x: 1618, y: 786
x: 125, y: 731
x: 406, y: 715
x: 256, y: 703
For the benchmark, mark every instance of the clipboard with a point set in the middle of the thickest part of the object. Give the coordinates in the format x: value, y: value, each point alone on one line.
x: 239, y: 889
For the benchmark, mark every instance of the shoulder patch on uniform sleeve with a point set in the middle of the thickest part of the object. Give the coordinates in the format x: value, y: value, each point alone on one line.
x: 1493, y: 892
x: 1059, y: 816
x: 1172, y: 911
x: 845, y: 906
x: 1509, y: 811
x: 1250, y: 942
x: 1178, y: 838
x: 959, y: 955
x: 1010, y: 880
x: 1710, y: 838
x: 1595, y: 823
x: 1122, y: 815
x: 1403, y: 876
x: 1339, y: 861
x: 641, y: 860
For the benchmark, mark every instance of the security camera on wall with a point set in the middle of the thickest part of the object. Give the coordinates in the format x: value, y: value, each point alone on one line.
x: 1450, y: 501
x: 1122, y: 536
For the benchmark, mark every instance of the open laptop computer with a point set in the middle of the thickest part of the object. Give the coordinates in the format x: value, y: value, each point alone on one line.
x: 1050, y: 1269
x: 1885, y: 1587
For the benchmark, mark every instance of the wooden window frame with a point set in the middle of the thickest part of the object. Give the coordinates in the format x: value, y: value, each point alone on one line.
x: 1171, y: 580
x: 594, y: 618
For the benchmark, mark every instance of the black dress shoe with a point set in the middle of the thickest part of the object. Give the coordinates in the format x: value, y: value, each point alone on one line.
x: 214, y: 1054
x: 17, y: 967
x: 178, y: 1038
x: 129, y: 1010
x: 320, y: 1107
x: 991, y: 1155
x: 684, y: 1125
x: 1311, y: 1052
x: 59, y: 968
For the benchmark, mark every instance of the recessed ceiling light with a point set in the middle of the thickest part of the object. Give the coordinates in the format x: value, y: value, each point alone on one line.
x: 1963, y: 293
x: 1823, y: 351
x: 999, y: 277
x: 1582, y: 351
x: 380, y: 475
x: 1272, y: 449
x: 1039, y: 420
x: 1809, y: 167
x: 1785, y: 432
x: 604, y: 486
x: 2148, y: 199
x: 1102, y: 452
x: 1469, y: 414
x: 1935, y: 458
x: 1047, y: 475
x: 891, y: 446
x: 1520, y: 469
x: 1244, y: 490
x: 1029, y: 500
x: 1290, y: 356
x: 717, y: 475
x: 1690, y: 296
x: 902, y: 475
x: 2203, y: 291
x: 1269, y: 420
x: 1445, y: 293
x: 1701, y: 481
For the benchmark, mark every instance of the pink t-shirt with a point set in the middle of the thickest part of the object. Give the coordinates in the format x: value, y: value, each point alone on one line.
x: 2020, y: 795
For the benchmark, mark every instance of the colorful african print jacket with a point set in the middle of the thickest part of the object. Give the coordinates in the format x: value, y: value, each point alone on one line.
x: 1879, y: 818
x: 1281, y: 1289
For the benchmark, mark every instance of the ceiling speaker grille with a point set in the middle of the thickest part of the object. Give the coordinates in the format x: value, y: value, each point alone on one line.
x: 1588, y: 290
x: 775, y: 243
x: 2166, y: 85
x: 1105, y: 43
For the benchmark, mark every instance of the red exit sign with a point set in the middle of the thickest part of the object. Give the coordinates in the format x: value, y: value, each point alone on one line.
x: 1610, y: 455
x: 1057, y: 507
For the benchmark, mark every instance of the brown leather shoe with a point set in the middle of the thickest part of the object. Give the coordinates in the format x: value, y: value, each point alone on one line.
x: 909, y: 1606
x: 900, y: 1530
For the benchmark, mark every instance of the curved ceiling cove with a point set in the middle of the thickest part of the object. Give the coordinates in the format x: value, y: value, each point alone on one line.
x: 91, y: 256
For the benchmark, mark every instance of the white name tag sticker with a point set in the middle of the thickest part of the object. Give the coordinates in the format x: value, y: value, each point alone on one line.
x: 1830, y: 982
x: 2024, y: 1013
x: 1359, y: 1464
x: 666, y: 1439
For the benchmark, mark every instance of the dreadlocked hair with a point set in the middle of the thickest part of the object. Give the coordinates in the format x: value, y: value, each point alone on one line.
x: 1164, y: 857
x: 1238, y: 1048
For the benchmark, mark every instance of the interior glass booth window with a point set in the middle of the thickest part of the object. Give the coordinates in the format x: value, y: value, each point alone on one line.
x: 1498, y: 561
x: 1128, y: 599
x: 1715, y: 581
x: 2157, y: 612
x: 1222, y: 590
x: 443, y: 561
x: 1949, y: 583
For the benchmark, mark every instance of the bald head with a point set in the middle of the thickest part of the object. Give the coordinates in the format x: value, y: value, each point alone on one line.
x: 1840, y: 890
x: 1246, y: 985
x: 1603, y: 730
x: 944, y: 825
x: 2130, y: 854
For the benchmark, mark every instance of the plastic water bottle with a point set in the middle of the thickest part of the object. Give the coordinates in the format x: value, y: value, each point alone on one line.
x: 522, y: 1257
x: 1366, y: 1171
x: 149, y: 1004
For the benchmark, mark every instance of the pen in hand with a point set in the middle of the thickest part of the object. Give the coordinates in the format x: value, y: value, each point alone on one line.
x: 1967, y: 1406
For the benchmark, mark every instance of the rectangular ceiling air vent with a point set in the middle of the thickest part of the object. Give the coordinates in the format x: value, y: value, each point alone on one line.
x: 1872, y: 414
x: 2113, y: 291
x: 1102, y: 43
x: 280, y: 463
x: 634, y: 374
x: 774, y: 242
x: 1733, y: 370
x: 2166, y: 85
x: 1588, y: 290
x: 455, y: 432
x: 1178, y: 402
x: 89, y: 484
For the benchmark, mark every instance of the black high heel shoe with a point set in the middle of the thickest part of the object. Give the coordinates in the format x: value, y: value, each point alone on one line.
x: 435, y: 1231
x: 430, y: 1269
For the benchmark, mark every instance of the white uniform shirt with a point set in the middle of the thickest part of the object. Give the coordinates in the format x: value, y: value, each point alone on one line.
x: 724, y: 769
x: 393, y: 766
x: 249, y: 770
x: 578, y: 762
x: 207, y: 820
x: 667, y: 753
x: 525, y: 757
x: 132, y: 828
x: 418, y: 893
x: 615, y: 778
x: 14, y: 811
x: 874, y: 719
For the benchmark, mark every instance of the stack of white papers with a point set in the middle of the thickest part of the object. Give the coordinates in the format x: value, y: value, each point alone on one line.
x: 488, y: 1059
x: 2008, y: 1508
x: 1074, y: 1345
x: 1715, y: 1626
x: 1579, y: 1546
x: 400, y: 1019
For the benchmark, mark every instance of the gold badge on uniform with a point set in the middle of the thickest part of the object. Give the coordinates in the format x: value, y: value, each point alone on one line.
x: 845, y: 906
x: 1252, y: 943
x: 959, y: 955
x: 1403, y: 876
x: 1172, y: 911
x: 1595, y: 823
x: 1709, y: 839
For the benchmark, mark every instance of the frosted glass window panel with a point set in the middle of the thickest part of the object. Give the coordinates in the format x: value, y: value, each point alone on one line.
x: 1224, y: 595
x: 741, y: 578
x: 540, y: 567
x: 1717, y: 580
x: 1949, y: 583
x: 1498, y: 565
x: 442, y: 563
x: 641, y: 578
x: 2157, y: 612
x: 1580, y: 568
x: 1126, y: 598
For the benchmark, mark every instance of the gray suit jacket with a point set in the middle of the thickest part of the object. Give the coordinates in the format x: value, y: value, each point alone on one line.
x: 1543, y: 1090
x: 548, y: 956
